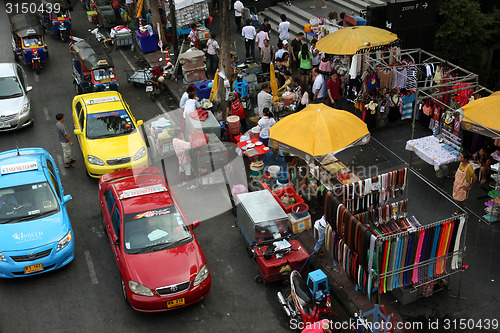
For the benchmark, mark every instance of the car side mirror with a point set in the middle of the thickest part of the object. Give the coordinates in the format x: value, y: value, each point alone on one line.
x: 196, y: 224
x: 77, y: 132
x: 66, y: 198
x: 29, y: 88
x: 139, y: 122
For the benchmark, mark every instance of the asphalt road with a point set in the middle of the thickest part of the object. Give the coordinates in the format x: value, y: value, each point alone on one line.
x: 85, y: 296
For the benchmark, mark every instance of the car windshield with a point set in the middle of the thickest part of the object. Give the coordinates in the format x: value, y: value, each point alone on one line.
x: 10, y: 87
x: 29, y: 41
x: 27, y: 202
x: 62, y: 13
x: 108, y: 124
x: 155, y: 230
x: 104, y: 73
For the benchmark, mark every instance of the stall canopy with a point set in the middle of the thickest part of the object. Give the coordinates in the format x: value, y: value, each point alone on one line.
x: 483, y: 116
x: 318, y: 130
x: 352, y: 40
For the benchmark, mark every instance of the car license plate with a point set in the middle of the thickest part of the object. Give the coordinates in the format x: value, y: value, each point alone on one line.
x: 4, y: 125
x: 175, y: 302
x: 33, y: 268
x: 105, y: 80
x: 149, y: 88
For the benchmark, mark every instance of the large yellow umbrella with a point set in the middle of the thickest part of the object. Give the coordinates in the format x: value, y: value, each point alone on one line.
x: 274, y: 83
x: 483, y: 116
x: 350, y: 40
x: 318, y: 130
x: 215, y: 86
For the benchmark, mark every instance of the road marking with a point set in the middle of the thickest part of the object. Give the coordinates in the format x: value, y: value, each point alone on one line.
x: 90, y: 264
x: 61, y: 163
x: 161, y: 107
x: 126, y: 59
x: 47, y: 116
x: 36, y: 77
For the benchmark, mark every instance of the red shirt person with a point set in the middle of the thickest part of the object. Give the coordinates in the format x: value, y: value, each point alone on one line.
x: 334, y: 88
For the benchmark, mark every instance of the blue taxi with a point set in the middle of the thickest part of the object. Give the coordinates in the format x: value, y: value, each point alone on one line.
x: 35, y: 232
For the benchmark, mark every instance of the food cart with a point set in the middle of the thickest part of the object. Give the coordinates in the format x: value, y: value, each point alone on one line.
x: 264, y: 226
x: 160, y: 131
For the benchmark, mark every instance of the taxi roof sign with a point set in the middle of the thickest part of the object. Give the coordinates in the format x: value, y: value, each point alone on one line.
x: 102, y: 63
x: 98, y: 100
x: 18, y: 167
x: 142, y: 191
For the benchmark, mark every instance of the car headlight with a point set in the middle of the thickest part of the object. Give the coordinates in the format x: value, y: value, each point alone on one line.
x: 140, y: 154
x: 26, y: 108
x: 64, y: 241
x: 201, y: 276
x: 139, y: 289
x: 94, y: 160
x: 2, y: 257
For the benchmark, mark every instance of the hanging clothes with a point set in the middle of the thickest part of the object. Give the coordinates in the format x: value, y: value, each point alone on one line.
x: 385, y: 77
x: 407, y: 111
x: 411, y: 74
x: 399, y: 77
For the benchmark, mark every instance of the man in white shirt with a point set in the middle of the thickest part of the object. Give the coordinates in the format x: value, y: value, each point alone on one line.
x: 238, y: 13
x: 213, y: 54
x: 283, y: 50
x: 264, y: 100
x: 185, y: 96
x: 191, y: 105
x: 249, y: 33
x: 283, y: 28
x: 319, y: 87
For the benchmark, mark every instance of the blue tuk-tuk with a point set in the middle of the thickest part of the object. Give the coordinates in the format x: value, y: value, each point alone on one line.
x: 56, y: 18
x: 28, y: 43
x: 92, y: 71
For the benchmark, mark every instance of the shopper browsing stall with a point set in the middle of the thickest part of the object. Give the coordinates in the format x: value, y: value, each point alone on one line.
x: 465, y: 178
x: 266, y: 56
x: 265, y: 124
x: 334, y: 87
x: 249, y: 33
x: 264, y: 99
x: 305, y: 58
x: 319, y: 87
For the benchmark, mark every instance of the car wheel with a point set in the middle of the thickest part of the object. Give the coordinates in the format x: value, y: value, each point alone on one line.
x: 78, y: 89
x: 124, y: 292
x: 16, y: 56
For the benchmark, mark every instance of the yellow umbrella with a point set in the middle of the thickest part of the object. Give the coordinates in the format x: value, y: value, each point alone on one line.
x: 215, y: 85
x: 318, y: 130
x: 350, y: 40
x: 483, y: 116
x: 274, y: 83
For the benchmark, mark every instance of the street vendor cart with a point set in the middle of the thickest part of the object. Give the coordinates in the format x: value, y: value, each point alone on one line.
x: 264, y: 226
x: 161, y: 131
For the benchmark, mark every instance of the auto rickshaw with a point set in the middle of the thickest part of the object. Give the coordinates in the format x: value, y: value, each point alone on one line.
x: 56, y: 18
x: 92, y: 71
x: 28, y: 43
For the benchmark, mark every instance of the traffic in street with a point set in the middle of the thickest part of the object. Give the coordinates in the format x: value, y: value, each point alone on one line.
x: 86, y: 295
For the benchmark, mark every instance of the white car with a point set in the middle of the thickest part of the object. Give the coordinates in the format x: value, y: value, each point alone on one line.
x: 15, y: 111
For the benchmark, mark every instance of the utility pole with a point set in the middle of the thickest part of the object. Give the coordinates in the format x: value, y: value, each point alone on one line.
x: 173, y: 22
x: 225, y: 51
x: 155, y: 13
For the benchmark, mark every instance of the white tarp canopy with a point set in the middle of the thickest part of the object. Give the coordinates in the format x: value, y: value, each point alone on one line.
x: 179, y: 4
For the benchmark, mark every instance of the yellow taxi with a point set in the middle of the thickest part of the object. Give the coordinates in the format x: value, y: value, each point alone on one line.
x: 108, y: 133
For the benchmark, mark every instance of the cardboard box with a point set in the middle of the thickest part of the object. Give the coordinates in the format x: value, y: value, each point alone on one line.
x: 298, y: 225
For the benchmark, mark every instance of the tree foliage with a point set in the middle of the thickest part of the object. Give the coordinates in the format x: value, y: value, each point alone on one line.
x: 463, y: 33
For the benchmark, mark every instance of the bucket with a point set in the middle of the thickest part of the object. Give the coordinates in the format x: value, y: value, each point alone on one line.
x: 233, y: 124
x: 256, y: 169
x: 255, y: 133
x: 300, y: 210
x: 273, y: 170
x: 282, y: 177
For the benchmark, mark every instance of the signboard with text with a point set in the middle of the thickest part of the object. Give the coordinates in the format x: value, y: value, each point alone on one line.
x: 411, y: 14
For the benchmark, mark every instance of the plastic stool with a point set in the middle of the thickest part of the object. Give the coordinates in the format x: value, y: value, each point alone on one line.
x: 317, y: 280
x: 241, y: 88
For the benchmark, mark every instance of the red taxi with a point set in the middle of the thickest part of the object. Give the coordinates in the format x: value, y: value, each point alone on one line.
x: 160, y: 261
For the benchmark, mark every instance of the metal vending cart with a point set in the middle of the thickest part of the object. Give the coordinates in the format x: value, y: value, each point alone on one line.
x: 264, y: 226
x: 160, y: 131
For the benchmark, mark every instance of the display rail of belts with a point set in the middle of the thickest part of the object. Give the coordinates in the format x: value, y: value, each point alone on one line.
x: 379, y: 246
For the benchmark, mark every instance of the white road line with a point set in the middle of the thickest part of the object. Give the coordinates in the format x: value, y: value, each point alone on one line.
x: 126, y: 59
x: 61, y: 163
x: 90, y: 264
x: 161, y: 107
x: 47, y: 116
x: 36, y: 77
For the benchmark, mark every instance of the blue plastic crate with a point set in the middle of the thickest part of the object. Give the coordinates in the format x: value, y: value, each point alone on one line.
x: 202, y: 89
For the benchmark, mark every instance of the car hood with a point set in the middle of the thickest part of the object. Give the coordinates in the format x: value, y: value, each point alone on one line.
x: 32, y: 234
x: 120, y: 146
x: 9, y: 106
x: 166, y: 267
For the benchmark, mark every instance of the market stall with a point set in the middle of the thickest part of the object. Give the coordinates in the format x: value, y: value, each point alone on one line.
x: 482, y: 116
x: 187, y: 12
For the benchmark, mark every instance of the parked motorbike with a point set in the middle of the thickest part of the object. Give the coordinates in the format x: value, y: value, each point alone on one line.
x: 301, y: 305
x: 106, y: 42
